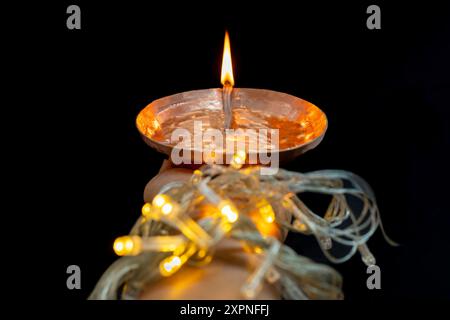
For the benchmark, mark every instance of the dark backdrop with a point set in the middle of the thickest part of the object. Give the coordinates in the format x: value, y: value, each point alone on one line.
x: 385, y: 93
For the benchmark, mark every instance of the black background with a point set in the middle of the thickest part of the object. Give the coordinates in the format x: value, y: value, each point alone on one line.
x: 385, y: 93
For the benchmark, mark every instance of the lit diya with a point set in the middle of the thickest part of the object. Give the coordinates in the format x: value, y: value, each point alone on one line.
x: 260, y: 120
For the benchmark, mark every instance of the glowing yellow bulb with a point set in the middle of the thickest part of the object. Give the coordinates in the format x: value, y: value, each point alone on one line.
x: 167, y: 208
x: 147, y: 210
x: 118, y: 247
x: 127, y: 246
x: 238, y: 159
x: 241, y: 153
x: 264, y: 218
x: 176, y: 261
x: 160, y: 200
x: 196, y: 176
x: 170, y: 265
x: 229, y: 212
x: 202, y: 253
x: 225, y: 227
x: 164, y: 205
x: 267, y: 213
x: 258, y: 250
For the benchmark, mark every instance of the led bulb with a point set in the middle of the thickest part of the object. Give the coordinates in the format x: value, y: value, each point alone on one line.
x: 164, y: 204
x: 170, y: 265
x: 266, y: 212
x: 258, y: 250
x: 201, y: 253
x: 196, y: 176
x: 147, y: 210
x: 238, y: 159
x: 227, y: 210
x: 160, y: 200
x: 167, y: 208
x: 128, y: 246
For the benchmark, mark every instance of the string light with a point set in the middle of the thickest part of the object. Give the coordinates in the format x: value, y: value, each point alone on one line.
x: 147, y: 210
x: 127, y: 245
x: 228, y: 211
x: 238, y: 159
x: 134, y: 245
x: 168, y: 227
x: 160, y: 200
x: 187, y: 226
x: 266, y: 211
x: 172, y: 264
x: 196, y: 176
x: 165, y: 205
x: 167, y: 208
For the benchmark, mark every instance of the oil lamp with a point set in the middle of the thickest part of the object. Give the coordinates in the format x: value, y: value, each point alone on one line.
x: 300, y: 124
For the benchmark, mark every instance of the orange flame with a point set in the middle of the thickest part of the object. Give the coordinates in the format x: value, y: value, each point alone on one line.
x: 227, y: 66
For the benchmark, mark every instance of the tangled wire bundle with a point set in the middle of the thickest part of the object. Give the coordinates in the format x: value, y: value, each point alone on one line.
x: 186, y: 221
